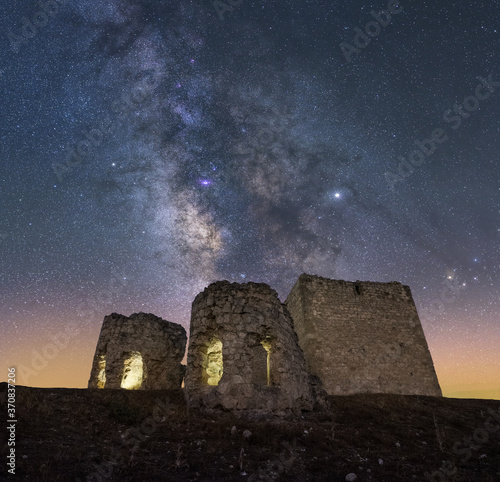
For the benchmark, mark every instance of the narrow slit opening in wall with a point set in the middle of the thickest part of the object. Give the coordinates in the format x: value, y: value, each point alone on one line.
x: 266, y: 343
x: 357, y: 288
x: 260, y: 360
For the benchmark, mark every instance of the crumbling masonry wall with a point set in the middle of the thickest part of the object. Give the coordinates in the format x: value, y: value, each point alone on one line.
x: 362, y: 337
x: 142, y: 351
x: 243, y: 351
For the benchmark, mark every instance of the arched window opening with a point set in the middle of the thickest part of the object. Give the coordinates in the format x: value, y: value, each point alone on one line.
x: 132, y: 372
x: 101, y: 377
x: 212, y: 363
x: 260, y: 357
x: 266, y: 343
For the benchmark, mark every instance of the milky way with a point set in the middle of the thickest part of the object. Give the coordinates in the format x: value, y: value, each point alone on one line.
x: 150, y: 149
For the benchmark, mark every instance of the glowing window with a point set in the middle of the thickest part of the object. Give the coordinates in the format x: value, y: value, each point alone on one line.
x: 266, y: 343
x: 101, y: 378
x: 132, y: 372
x: 213, y: 366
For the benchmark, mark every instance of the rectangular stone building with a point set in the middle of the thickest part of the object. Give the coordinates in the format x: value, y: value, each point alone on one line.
x: 362, y: 337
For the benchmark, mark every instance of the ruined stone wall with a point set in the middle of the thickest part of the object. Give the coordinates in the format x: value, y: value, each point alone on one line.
x: 138, y: 352
x: 243, y: 351
x: 362, y: 337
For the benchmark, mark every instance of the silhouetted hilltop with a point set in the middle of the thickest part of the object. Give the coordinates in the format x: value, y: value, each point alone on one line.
x: 147, y: 435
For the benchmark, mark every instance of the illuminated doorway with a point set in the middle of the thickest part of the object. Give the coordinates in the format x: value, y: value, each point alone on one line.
x: 101, y: 377
x: 132, y: 372
x: 212, y: 362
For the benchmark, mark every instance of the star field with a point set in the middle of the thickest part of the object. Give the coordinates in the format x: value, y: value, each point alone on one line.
x: 149, y: 149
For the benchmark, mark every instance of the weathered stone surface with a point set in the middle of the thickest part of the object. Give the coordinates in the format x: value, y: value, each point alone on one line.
x: 362, y: 337
x: 243, y: 351
x: 138, y: 352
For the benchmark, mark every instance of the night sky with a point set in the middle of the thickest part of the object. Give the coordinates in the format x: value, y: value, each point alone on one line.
x: 150, y: 148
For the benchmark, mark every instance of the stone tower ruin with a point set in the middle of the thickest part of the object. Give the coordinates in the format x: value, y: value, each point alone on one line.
x: 362, y: 337
x: 243, y: 351
x: 138, y: 352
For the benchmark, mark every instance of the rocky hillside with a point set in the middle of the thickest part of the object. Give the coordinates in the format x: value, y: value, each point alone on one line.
x: 117, y: 435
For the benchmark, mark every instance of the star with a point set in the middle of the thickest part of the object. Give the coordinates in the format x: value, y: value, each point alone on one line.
x: 247, y: 159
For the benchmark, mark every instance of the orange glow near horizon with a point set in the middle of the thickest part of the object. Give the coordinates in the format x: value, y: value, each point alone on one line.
x: 472, y: 378
x: 467, y: 365
x: 468, y: 370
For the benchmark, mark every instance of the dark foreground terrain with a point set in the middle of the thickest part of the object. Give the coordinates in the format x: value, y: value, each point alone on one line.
x: 72, y: 434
